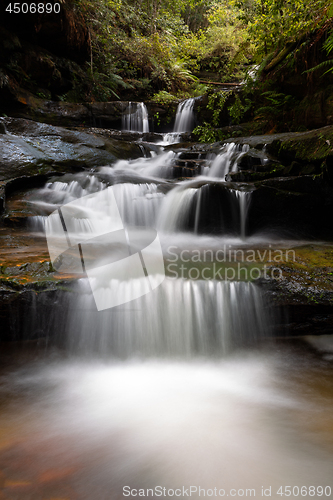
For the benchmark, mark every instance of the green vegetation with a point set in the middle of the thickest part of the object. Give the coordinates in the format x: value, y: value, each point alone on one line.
x: 152, y: 46
x: 147, y: 47
x: 208, y: 132
x: 166, y: 50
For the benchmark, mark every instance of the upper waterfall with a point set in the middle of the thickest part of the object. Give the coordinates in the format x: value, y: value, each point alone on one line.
x: 184, y: 116
x: 183, y: 122
x: 135, y: 118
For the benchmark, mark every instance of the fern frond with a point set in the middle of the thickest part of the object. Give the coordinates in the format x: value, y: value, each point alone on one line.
x: 322, y: 65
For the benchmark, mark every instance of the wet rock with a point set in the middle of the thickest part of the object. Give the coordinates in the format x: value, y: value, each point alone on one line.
x: 57, y: 113
x: 312, y: 146
x: 31, y: 148
x: 18, y: 301
x: 255, y: 159
x: 259, y: 141
x: 302, y: 151
x: 98, y: 114
x: 253, y: 176
x: 163, y: 115
x: 107, y: 114
x: 2, y: 196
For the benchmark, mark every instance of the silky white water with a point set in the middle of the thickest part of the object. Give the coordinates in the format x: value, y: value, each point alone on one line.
x: 235, y: 425
x: 226, y: 160
x: 135, y: 118
x: 143, y: 203
x: 184, y: 121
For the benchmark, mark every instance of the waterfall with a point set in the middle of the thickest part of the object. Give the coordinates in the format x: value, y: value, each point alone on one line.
x: 207, y: 209
x: 158, y: 166
x: 226, y: 160
x: 184, y: 116
x: 244, y: 198
x: 138, y: 203
x: 204, y: 209
x: 182, y: 318
x: 183, y: 122
x: 135, y: 118
x: 176, y: 209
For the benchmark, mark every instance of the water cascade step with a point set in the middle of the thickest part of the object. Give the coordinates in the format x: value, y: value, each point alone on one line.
x: 201, y: 205
x: 169, y: 388
x: 181, y: 318
x: 227, y: 160
x: 138, y: 203
x: 205, y: 207
x: 184, y: 163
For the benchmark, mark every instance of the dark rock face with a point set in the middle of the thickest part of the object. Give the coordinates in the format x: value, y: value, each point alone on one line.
x: 298, y: 314
x: 40, y: 54
x: 294, y: 207
x: 64, y: 34
x: 19, y: 316
x: 300, y: 153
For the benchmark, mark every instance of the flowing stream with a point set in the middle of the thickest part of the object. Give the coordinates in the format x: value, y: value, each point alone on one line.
x: 181, y: 388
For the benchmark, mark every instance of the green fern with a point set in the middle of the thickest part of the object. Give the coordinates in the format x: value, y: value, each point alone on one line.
x: 322, y: 65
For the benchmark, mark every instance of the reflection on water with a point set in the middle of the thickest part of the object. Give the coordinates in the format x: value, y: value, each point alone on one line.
x: 83, y: 430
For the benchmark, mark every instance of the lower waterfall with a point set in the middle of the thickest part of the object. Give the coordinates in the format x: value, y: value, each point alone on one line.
x: 181, y: 318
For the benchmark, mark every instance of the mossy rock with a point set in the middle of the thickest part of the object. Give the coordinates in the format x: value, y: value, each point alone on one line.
x: 313, y: 146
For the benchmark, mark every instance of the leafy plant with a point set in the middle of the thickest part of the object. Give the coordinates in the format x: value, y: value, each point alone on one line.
x: 238, y: 109
x: 163, y: 97
x: 207, y: 132
x: 278, y: 102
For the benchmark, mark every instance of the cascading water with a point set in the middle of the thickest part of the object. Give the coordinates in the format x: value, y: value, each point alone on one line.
x: 135, y: 118
x: 159, y: 392
x: 244, y: 198
x: 205, y: 207
x: 184, y: 116
x: 183, y: 122
x: 175, y: 320
x: 138, y: 203
x: 226, y: 160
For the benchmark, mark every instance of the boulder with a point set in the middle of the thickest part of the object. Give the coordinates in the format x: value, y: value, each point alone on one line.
x: 30, y: 148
